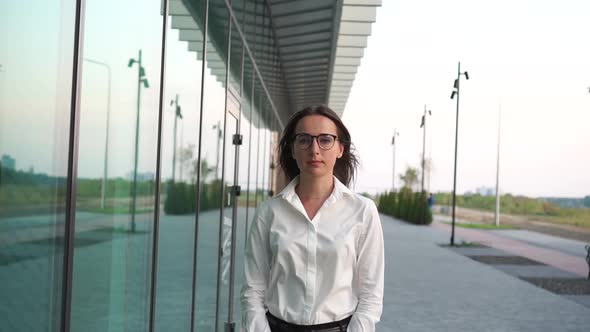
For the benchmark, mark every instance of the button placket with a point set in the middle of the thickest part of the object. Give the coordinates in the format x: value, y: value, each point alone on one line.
x: 311, y: 272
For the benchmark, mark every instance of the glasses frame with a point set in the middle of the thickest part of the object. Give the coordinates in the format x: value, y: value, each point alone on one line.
x: 316, y: 139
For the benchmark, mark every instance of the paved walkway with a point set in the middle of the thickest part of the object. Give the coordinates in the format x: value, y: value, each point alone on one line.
x: 434, y: 288
x: 428, y: 287
x: 564, y: 254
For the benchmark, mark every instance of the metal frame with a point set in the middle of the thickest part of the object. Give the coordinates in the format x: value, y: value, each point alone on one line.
x: 222, y: 198
x: 198, y: 185
x: 156, y: 229
x: 253, y: 84
x: 70, y: 226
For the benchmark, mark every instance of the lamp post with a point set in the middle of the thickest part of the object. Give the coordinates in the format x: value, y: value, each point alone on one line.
x: 497, y: 214
x: 423, y: 126
x: 177, y: 114
x: 456, y: 92
x: 395, y: 133
x: 219, y: 135
x: 140, y: 79
x: 106, y: 143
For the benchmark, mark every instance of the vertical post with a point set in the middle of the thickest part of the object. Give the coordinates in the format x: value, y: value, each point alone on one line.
x: 134, y: 185
x: 199, y: 163
x: 156, y: 227
x: 498, y: 171
x: 423, y: 147
x: 72, y: 175
x: 174, y: 140
x: 422, y: 201
x: 393, y: 168
x: 455, y: 168
x: 181, y: 145
x: 106, y: 144
x: 218, y: 127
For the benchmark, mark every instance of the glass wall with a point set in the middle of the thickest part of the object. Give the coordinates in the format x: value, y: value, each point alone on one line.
x: 212, y: 192
x: 117, y: 166
x: 36, y: 70
x: 207, y: 98
x: 180, y: 166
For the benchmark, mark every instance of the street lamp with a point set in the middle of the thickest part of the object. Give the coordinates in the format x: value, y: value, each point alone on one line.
x: 106, y: 143
x: 497, y: 214
x: 177, y: 114
x: 140, y: 79
x: 395, y: 133
x: 219, y: 136
x: 456, y: 92
x: 423, y: 125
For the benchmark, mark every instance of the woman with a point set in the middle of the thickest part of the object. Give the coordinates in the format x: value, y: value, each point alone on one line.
x: 314, y: 256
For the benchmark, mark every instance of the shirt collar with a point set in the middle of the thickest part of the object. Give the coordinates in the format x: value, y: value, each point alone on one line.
x: 340, y: 189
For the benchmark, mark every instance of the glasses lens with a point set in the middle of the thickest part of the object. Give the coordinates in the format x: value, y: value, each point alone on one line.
x: 325, y: 141
x: 303, y: 141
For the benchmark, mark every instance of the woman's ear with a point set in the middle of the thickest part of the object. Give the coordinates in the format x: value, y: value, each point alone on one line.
x: 341, y: 147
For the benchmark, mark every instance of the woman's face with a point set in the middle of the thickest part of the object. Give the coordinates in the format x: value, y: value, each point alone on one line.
x: 315, y: 161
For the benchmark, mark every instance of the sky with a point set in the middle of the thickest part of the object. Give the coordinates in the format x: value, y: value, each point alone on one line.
x: 528, y: 60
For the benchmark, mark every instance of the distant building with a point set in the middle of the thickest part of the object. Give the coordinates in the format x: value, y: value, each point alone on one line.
x: 486, y: 191
x: 147, y: 176
x: 8, y: 162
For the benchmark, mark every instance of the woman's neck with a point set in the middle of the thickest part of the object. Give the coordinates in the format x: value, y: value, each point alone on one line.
x: 314, y: 188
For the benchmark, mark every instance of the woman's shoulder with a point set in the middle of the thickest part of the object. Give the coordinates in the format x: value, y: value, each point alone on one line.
x: 266, y: 207
x: 363, y: 201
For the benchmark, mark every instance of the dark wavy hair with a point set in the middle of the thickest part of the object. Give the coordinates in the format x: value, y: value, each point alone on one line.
x: 345, y: 166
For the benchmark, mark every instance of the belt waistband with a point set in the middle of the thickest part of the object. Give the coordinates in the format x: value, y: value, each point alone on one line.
x: 274, y: 321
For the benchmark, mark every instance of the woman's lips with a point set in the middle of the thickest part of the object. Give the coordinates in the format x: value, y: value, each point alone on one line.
x: 315, y: 163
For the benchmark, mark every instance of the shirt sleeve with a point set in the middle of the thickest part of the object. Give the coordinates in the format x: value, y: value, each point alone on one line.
x: 256, y: 270
x: 370, y: 272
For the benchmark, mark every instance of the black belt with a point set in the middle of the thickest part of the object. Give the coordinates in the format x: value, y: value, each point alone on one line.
x: 279, y: 325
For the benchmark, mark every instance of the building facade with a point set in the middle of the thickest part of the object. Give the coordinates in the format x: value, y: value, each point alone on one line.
x: 146, y: 133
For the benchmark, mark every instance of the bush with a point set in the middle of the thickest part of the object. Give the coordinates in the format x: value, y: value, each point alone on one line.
x: 178, y: 199
x: 405, y: 205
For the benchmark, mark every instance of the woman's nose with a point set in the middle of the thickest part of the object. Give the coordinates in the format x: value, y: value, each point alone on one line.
x: 315, y: 146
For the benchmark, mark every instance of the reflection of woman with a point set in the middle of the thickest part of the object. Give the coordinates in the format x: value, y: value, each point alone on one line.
x: 314, y: 257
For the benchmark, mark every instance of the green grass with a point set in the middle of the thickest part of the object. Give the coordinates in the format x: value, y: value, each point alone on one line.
x: 482, y: 226
x: 531, y: 208
x: 579, y: 218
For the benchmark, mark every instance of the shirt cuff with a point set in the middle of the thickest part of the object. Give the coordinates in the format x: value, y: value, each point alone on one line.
x: 255, y: 322
x: 361, y: 323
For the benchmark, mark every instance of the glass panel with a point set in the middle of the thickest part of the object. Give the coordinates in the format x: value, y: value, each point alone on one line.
x: 265, y: 153
x: 259, y: 148
x: 248, y: 150
x: 236, y: 60
x: 211, y: 200
x: 233, y: 102
x: 35, y: 95
x: 117, y: 166
x: 179, y: 168
x: 224, y: 279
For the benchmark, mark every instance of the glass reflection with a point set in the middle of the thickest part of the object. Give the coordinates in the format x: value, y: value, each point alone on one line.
x: 211, y: 200
x: 180, y: 168
x: 35, y: 94
x: 117, y: 139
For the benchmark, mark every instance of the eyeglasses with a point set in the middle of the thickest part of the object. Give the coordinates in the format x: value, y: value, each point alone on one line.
x: 325, y: 141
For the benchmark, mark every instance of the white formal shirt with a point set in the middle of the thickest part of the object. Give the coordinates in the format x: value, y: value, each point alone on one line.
x: 314, y: 271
